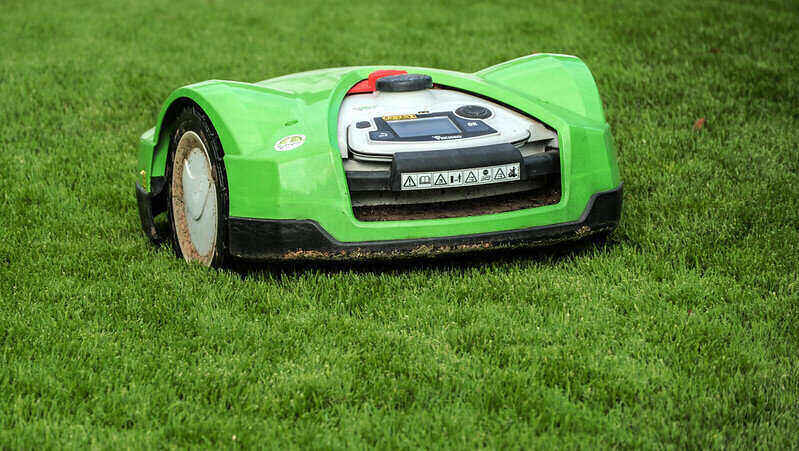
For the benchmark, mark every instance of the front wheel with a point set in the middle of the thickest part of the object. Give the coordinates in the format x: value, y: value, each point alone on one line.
x: 198, y: 190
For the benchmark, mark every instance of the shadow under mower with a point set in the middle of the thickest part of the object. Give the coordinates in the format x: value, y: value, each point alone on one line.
x: 381, y: 161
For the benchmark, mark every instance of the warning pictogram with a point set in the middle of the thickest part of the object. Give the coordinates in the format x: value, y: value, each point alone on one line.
x: 500, y: 174
x: 471, y: 178
x: 440, y: 180
x: 409, y: 183
x: 512, y: 172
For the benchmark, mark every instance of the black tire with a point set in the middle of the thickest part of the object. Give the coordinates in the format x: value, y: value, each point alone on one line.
x: 191, y: 118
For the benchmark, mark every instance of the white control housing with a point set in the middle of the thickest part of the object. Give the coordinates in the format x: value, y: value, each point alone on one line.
x: 510, y: 126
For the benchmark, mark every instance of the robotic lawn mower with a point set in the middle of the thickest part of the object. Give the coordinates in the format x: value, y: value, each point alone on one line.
x: 364, y: 161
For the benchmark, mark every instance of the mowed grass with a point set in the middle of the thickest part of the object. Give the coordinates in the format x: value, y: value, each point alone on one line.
x: 682, y: 330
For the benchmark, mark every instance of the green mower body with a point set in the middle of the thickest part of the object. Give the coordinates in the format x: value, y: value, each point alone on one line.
x: 285, y: 188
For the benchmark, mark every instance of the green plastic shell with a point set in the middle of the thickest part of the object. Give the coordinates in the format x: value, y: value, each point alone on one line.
x: 309, y: 182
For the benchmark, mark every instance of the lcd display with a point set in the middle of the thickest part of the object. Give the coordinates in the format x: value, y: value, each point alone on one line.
x: 423, y: 127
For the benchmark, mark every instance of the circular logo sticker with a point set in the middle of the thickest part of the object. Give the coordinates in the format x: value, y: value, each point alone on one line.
x: 289, y: 142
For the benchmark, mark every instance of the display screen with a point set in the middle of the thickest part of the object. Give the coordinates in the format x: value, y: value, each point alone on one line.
x: 423, y: 127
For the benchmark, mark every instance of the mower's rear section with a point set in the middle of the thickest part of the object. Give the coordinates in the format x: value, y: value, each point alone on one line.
x: 405, y: 161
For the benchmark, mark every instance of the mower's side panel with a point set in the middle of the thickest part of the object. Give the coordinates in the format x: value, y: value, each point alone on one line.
x: 560, y: 80
x: 249, y: 119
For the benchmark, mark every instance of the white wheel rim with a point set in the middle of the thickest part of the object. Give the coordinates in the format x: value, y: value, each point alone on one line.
x: 194, y: 199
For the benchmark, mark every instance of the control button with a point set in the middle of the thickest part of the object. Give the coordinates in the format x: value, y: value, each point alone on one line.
x: 381, y: 136
x: 473, y: 112
x: 363, y: 124
x: 475, y: 126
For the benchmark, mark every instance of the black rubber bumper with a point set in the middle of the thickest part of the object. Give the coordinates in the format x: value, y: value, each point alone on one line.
x: 151, y: 205
x: 264, y: 238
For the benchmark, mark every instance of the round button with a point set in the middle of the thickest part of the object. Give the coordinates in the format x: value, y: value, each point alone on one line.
x: 473, y: 112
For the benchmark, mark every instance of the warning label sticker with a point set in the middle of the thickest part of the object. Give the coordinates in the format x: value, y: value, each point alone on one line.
x: 460, y: 177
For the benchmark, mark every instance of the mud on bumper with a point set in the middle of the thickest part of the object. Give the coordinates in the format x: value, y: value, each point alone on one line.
x: 283, y: 238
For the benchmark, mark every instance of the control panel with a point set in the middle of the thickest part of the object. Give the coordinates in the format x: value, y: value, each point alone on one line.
x: 373, y: 126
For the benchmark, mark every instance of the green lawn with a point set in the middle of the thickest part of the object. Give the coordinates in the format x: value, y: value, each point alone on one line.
x: 682, y: 330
